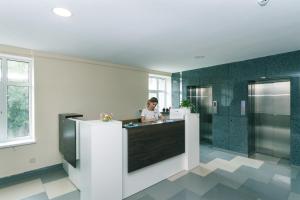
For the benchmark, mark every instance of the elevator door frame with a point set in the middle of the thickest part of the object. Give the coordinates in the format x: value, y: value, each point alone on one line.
x: 251, y: 115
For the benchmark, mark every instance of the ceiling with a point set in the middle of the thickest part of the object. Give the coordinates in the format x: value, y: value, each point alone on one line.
x: 164, y: 35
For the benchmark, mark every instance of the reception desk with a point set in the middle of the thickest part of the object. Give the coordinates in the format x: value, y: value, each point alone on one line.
x: 117, y: 162
x: 150, y: 143
x: 153, y: 152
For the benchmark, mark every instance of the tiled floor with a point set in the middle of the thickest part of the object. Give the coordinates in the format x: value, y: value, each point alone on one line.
x: 221, y: 176
x: 51, y: 185
x: 229, y: 176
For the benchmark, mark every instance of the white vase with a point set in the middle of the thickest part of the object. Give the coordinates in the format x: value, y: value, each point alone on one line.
x: 186, y: 110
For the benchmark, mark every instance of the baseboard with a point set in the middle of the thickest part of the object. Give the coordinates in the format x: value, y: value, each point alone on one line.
x: 29, y: 174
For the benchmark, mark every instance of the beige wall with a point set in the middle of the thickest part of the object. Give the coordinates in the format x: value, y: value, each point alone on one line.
x: 72, y: 85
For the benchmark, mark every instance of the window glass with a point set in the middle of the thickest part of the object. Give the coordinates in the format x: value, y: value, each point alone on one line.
x: 162, y: 84
x: 152, y: 94
x: 160, y: 87
x: 17, y: 71
x: 152, y: 84
x: 161, y: 100
x: 17, y: 111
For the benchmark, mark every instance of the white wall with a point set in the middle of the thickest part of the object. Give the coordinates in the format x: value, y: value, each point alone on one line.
x: 72, y: 85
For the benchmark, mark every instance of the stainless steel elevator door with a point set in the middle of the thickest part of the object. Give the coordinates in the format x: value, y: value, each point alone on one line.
x: 201, y: 97
x: 272, y: 118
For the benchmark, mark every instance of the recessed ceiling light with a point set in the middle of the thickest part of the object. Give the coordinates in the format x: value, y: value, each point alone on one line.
x: 263, y: 77
x: 199, y: 57
x: 62, y: 12
x: 263, y: 2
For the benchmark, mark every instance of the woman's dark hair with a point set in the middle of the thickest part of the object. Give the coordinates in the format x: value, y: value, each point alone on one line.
x: 153, y: 100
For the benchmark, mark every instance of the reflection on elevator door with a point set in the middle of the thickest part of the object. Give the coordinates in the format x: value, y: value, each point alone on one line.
x: 271, y: 109
x: 201, y: 98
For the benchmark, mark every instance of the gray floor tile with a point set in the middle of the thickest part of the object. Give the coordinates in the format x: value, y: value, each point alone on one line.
x: 136, y: 196
x: 222, y: 192
x: 270, y: 169
x: 197, y: 184
x: 284, y: 162
x: 295, y: 171
x: 18, y: 180
x: 147, y: 197
x: 255, y: 174
x: 294, y: 196
x: 185, y: 195
x: 163, y: 190
x: 265, y: 191
x: 266, y: 158
x: 53, y: 175
x: 140, y: 196
x: 70, y: 196
x: 42, y: 196
x: 206, y: 158
x: 295, y: 184
x: 233, y: 180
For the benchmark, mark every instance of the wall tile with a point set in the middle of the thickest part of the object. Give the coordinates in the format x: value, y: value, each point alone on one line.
x: 219, y: 73
x: 295, y: 150
x: 239, y: 93
x: 220, y: 129
x: 175, y: 90
x: 295, y: 96
x: 284, y: 65
x: 246, y: 70
x: 295, y: 126
x: 221, y: 95
x: 238, y: 135
x: 230, y: 86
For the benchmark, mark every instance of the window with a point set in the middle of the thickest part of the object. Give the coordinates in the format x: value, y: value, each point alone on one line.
x: 160, y: 87
x: 16, y: 113
x: 180, y: 88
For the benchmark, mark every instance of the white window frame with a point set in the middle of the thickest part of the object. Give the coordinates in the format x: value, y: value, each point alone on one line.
x: 4, y: 83
x: 166, y: 91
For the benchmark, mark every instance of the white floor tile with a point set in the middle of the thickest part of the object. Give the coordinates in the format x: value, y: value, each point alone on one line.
x: 22, y: 190
x: 178, y: 175
x: 223, y: 164
x: 282, y: 179
x: 201, y: 170
x: 59, y: 187
x: 239, y: 160
x: 212, y: 165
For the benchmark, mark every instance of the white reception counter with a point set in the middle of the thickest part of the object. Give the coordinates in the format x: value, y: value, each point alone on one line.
x: 102, y: 171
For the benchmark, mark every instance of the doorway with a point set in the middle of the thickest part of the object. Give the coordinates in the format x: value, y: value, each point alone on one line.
x: 201, y: 98
x: 270, y: 117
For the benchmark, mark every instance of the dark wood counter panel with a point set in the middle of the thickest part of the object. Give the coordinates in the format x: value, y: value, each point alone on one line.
x: 151, y: 143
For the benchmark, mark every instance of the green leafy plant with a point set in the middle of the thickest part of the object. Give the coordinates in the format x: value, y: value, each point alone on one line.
x: 186, y: 103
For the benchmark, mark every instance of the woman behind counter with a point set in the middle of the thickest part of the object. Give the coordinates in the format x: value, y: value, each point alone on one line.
x: 151, y: 113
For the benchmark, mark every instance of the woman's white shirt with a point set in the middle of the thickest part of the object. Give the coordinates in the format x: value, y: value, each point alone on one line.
x: 150, y: 114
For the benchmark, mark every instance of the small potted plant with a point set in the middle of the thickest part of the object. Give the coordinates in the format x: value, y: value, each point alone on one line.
x: 186, y: 104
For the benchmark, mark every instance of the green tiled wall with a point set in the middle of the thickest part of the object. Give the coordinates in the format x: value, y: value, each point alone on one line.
x: 230, y: 86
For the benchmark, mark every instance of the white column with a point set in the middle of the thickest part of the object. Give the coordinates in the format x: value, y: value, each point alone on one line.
x: 192, y: 146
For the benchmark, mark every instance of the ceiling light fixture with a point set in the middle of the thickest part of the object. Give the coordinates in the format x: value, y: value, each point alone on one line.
x: 62, y: 12
x: 263, y: 2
